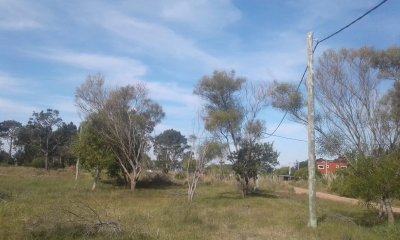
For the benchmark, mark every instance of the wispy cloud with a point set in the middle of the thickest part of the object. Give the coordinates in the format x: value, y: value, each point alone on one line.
x: 121, y: 70
x: 201, y: 15
x: 20, y: 16
x: 12, y: 109
x: 154, y: 39
x: 172, y: 93
x: 11, y: 84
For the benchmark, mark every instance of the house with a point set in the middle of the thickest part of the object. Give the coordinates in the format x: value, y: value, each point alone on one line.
x: 330, y: 166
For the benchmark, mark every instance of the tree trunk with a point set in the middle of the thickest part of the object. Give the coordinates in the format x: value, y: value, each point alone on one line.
x: 389, y: 210
x: 96, y: 178
x: 133, y: 184
x: 246, y: 188
x: 133, y: 178
x: 77, y: 169
x: 382, y: 208
x: 256, y: 183
x: 46, y: 157
x: 193, y: 185
x: 10, y: 152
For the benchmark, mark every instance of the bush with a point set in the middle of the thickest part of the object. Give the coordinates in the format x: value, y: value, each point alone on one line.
x: 155, y: 180
x: 38, y: 163
x: 181, y: 175
x: 302, y: 174
x: 282, y: 171
x: 4, y: 157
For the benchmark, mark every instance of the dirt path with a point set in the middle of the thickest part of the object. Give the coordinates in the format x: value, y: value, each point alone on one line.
x: 335, y: 198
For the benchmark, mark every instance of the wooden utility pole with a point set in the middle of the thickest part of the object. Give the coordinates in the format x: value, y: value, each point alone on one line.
x: 77, y: 161
x: 311, y: 135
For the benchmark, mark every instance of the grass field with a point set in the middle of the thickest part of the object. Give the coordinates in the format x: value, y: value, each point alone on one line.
x: 36, y: 204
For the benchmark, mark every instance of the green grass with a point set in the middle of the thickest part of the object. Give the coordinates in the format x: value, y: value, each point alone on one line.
x: 37, y: 204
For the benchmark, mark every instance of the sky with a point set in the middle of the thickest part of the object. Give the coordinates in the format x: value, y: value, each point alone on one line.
x: 49, y: 47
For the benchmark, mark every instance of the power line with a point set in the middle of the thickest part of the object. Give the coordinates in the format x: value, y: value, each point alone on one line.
x: 356, y: 20
x: 289, y: 138
x: 315, y: 47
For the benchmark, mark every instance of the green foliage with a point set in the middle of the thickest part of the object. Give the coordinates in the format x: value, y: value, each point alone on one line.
x: 370, y: 178
x: 181, y: 175
x: 125, y: 117
x: 4, y: 157
x: 39, y: 136
x: 286, y: 97
x: 65, y: 135
x: 224, y: 111
x: 231, y: 109
x: 351, y: 116
x: 388, y: 62
x: 169, y: 147
x: 220, y: 170
x: 220, y: 90
x: 282, y: 171
x: 91, y: 149
x: 302, y: 174
x: 38, y: 163
x: 9, y: 131
x: 189, y: 164
x: 392, y: 101
x: 253, y: 159
x: 38, y: 205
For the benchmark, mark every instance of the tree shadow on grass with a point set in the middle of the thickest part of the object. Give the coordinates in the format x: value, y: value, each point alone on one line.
x: 367, y: 219
x: 237, y: 195
x: 262, y: 194
x: 157, y: 181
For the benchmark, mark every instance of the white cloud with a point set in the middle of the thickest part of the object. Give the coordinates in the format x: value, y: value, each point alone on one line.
x: 11, y: 85
x: 12, y: 109
x: 65, y: 105
x: 122, y: 70
x: 20, y: 15
x: 318, y: 13
x: 170, y: 92
x: 155, y: 39
x: 201, y: 15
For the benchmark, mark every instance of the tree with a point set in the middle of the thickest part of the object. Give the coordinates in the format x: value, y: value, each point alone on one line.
x: 224, y: 113
x: 9, y: 132
x: 388, y: 63
x: 64, y: 136
x: 42, y: 125
x: 372, y: 179
x: 204, y: 150
x: 126, y: 118
x: 351, y: 115
x: 27, y: 149
x: 169, y: 147
x: 231, y: 109
x: 251, y: 160
x: 92, y: 151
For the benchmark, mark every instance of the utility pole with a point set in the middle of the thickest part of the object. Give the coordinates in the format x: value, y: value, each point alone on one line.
x: 311, y: 135
x: 77, y: 161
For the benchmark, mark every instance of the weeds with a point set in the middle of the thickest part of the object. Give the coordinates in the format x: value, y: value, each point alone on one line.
x: 52, y: 206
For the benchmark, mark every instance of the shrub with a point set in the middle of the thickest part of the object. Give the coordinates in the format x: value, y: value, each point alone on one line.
x: 181, y: 175
x: 38, y: 163
x: 302, y: 174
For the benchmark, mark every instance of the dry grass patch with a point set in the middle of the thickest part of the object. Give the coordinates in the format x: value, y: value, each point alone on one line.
x: 52, y: 205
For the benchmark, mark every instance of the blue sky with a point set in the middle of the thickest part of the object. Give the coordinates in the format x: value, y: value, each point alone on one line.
x: 47, y: 48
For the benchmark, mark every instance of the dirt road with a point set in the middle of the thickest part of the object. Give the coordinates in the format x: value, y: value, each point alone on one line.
x: 335, y: 198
